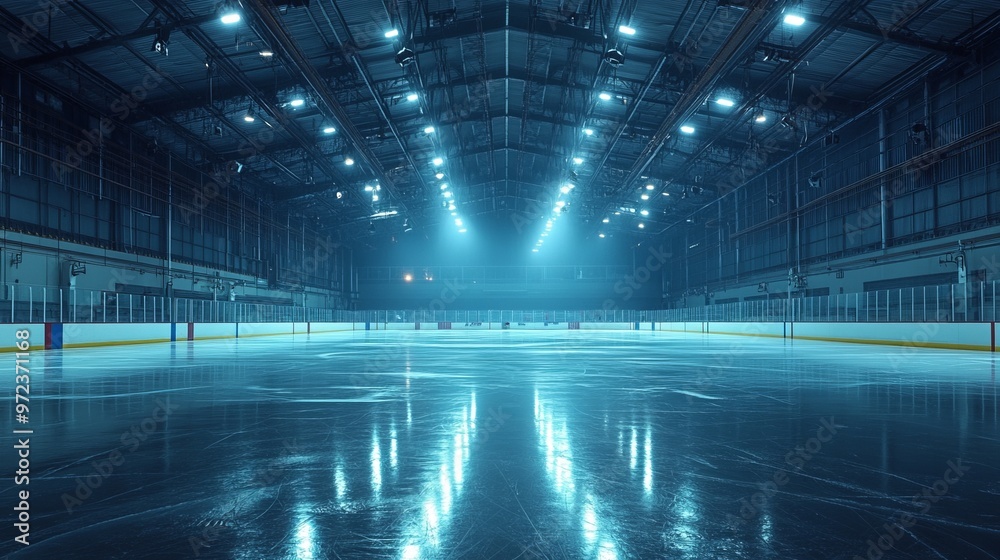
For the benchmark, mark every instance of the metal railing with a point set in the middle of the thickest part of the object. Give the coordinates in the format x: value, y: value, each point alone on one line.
x: 970, y: 302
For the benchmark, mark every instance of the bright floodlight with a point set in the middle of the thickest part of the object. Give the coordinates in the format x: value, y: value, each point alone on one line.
x: 687, y: 129
x: 230, y: 16
x: 444, y: 186
x: 606, y: 220
x: 329, y: 130
x: 564, y: 189
x: 391, y: 33
x: 412, y: 97
x: 451, y: 208
x: 463, y: 230
x: 267, y: 53
x: 437, y: 161
x: 626, y: 30
x: 429, y: 130
x: 644, y: 212
x: 642, y: 226
x: 601, y: 235
x: 588, y: 131
x: 560, y: 203
x: 605, y: 96
x: 650, y: 187
x: 447, y: 194
x: 458, y: 222
x: 534, y: 250
x: 578, y: 160
x: 761, y: 118
x: 725, y: 102
x: 408, y: 277
x: 297, y: 102
x: 369, y: 188
x: 439, y: 176
x: 348, y: 160
x: 644, y: 196
x: 794, y: 19
x: 374, y: 198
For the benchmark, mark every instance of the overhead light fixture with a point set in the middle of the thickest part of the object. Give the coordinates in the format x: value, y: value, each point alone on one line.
x: 374, y: 198
x: 405, y: 57
x: 761, y: 117
x: 644, y: 212
x: 794, y: 19
x: 463, y: 230
x: 348, y: 160
x: 775, y: 55
x: 626, y: 30
x: 369, y: 188
x: 249, y: 115
x: 266, y: 53
x: 605, y: 220
x: 614, y: 57
x: 605, y: 96
x: 412, y: 97
x: 392, y: 33
x: 589, y: 131
x: 650, y: 187
x: 451, y: 208
x: 686, y: 129
x: 644, y: 196
x: 665, y: 193
x: 228, y: 14
x: 329, y: 130
x: 429, y: 130
x: 437, y: 161
x: 578, y: 160
x: 297, y: 102
x: 160, y: 43
x: 565, y: 189
x: 458, y: 222
x: 601, y: 235
x: 444, y: 186
x: 447, y: 194
x: 439, y: 176
x: 725, y: 102
x: 642, y: 225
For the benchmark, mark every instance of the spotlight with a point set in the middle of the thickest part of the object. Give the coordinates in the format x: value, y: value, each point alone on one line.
x: 760, y: 117
x: 588, y: 131
x: 686, y: 129
x: 794, y: 19
x: 228, y: 14
x: 249, y: 116
x: 626, y: 30
x: 392, y: 33
x: 614, y: 57
x: 348, y: 160
x: 577, y: 160
x: 437, y: 161
x: 429, y: 130
x: 439, y: 176
x: 412, y: 97
x: 405, y: 57
x: 266, y: 53
x: 605, y: 96
x: 725, y: 102
x: 160, y: 43
x: 329, y: 130
x: 297, y: 102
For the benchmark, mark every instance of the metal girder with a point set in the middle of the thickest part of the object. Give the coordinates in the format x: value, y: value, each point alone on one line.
x: 757, y: 21
x: 113, y: 41
x: 892, y: 33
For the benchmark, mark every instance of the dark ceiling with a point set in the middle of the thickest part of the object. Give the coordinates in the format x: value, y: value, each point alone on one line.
x: 511, y: 89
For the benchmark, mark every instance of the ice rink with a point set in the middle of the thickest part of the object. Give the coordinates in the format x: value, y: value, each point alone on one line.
x: 511, y: 444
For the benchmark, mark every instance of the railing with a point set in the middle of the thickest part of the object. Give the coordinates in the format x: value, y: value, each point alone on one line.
x: 970, y: 302
x: 40, y: 304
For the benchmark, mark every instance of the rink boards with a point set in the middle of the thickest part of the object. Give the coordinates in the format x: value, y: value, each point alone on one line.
x: 959, y: 336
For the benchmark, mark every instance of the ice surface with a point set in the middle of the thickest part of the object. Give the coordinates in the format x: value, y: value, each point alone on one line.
x: 511, y: 444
